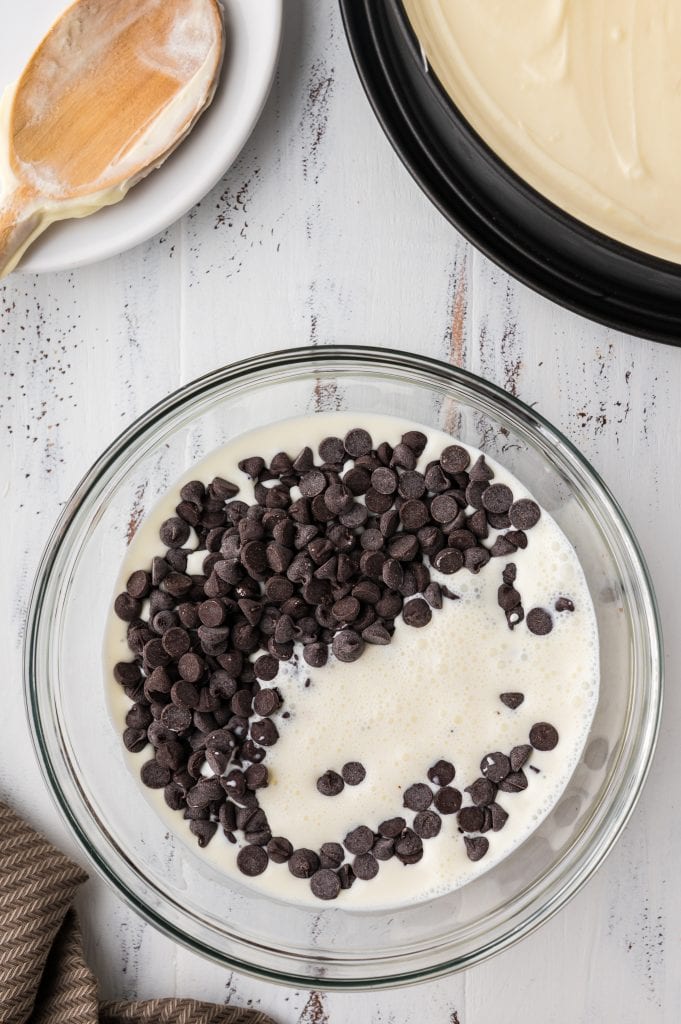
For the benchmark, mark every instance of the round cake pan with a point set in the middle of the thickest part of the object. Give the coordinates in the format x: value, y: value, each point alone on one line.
x: 505, y: 218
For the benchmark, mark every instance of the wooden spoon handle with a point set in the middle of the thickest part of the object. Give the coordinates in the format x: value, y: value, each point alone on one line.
x: 20, y: 223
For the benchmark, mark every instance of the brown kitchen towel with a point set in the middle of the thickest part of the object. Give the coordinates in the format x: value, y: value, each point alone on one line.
x: 43, y: 975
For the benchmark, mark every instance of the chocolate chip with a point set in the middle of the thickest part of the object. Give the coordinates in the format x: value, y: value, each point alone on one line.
x: 403, y: 547
x: 512, y: 700
x: 475, y: 558
x: 212, y: 612
x: 427, y: 824
x: 417, y: 612
x: 411, y: 484
x: 508, y: 597
x: 497, y: 499
x: 127, y: 608
x: 384, y: 480
x: 332, y: 449
x: 188, y: 615
x: 499, y: 817
x: 476, y: 847
x: 376, y: 633
x: 176, y: 641
x: 139, y: 584
x: 441, y: 773
x: 543, y: 736
x: 347, y: 609
x: 279, y: 849
x: 514, y: 782
x: 519, y: 756
x: 454, y: 459
x: 154, y: 775
x: 377, y: 502
x: 392, y: 827
x: 501, y: 548
x: 413, y: 514
x: 357, y: 480
x: 204, y: 831
x: 477, y: 524
x: 266, y: 667
x: 539, y: 621
x: 331, y: 855
x: 353, y: 773
x: 418, y: 797
x: 217, y: 761
x: 564, y: 604
x: 346, y: 876
x: 365, y: 866
x: 409, y: 847
x: 359, y: 840
x: 138, y: 717
x: 174, y: 532
x: 347, y: 645
x: 257, y: 776
x: 312, y: 483
x: 315, y: 655
x: 416, y: 440
x: 278, y: 589
x: 448, y: 560
x: 482, y: 792
x: 251, y: 860
x: 524, y: 514
x: 403, y: 457
x: 474, y: 493
x: 447, y: 800
x: 303, y: 863
x: 461, y: 539
x: 330, y: 783
x: 191, y: 667
x: 127, y: 673
x: 184, y: 694
x: 470, y: 819
x: 325, y: 884
x: 173, y: 794
x: 304, y: 461
x: 383, y: 849
x: 444, y: 508
x: 222, y: 489
x: 242, y: 703
x: 357, y: 442
x: 495, y: 766
x: 135, y: 740
x: 266, y: 702
x: 433, y: 595
x: 338, y: 499
x: 264, y: 732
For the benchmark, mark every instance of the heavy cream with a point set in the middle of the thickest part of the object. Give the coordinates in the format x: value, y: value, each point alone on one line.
x: 580, y: 98
x: 432, y: 693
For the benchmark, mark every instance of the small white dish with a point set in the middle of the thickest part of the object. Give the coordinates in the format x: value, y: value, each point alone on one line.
x: 252, y: 49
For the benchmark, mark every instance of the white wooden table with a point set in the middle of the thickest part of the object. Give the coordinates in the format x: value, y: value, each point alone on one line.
x: 318, y: 234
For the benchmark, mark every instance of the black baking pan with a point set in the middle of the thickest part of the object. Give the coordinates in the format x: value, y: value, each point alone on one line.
x: 509, y: 221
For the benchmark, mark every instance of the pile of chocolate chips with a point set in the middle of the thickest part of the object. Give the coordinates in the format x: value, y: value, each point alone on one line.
x: 331, y: 566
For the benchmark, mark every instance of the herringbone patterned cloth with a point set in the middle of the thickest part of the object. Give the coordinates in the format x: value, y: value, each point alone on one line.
x: 43, y: 976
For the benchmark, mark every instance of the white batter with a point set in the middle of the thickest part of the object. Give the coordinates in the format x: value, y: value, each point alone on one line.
x: 580, y: 97
x: 432, y: 693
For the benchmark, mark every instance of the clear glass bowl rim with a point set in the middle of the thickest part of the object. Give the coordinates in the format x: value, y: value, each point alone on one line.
x: 351, y: 360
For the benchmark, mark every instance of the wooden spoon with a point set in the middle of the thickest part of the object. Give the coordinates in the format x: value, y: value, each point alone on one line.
x: 109, y: 93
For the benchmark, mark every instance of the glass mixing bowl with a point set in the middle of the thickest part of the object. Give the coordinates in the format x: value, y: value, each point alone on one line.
x: 165, y: 880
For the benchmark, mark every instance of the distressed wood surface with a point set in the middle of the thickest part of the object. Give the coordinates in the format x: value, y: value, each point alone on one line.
x: 316, y: 235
